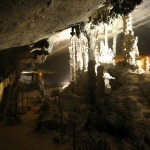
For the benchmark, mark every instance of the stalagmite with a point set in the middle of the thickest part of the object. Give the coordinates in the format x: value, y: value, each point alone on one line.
x: 146, y: 64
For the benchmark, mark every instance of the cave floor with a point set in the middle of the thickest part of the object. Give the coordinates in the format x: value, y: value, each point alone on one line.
x: 23, y: 136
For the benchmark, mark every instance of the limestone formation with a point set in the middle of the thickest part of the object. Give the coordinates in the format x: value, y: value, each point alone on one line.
x: 130, y: 49
x: 78, y: 52
x: 114, y: 30
x: 146, y: 64
x: 88, y: 52
x: 73, y: 58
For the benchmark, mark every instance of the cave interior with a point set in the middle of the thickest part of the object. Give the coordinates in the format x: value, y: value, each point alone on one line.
x: 74, y: 75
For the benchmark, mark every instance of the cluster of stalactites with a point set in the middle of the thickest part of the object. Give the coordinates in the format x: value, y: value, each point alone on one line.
x: 107, y: 54
x: 78, y: 51
x: 130, y: 48
x: 87, y: 46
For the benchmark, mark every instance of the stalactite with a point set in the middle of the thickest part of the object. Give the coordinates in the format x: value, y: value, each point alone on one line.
x: 106, y: 35
x: 115, y: 27
x: 71, y: 63
x: 84, y: 49
x: 97, y: 55
x: 73, y: 59
x: 79, y: 56
x: 78, y: 51
x: 76, y: 62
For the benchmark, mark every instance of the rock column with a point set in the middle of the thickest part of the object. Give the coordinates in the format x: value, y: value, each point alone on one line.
x: 130, y: 49
x: 91, y: 34
x: 146, y: 64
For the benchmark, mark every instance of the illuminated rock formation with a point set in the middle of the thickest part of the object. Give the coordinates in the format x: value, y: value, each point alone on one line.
x: 130, y: 49
x: 146, y: 64
x: 88, y: 52
x: 107, y: 55
x: 41, y: 87
x: 73, y: 57
x: 84, y: 49
x: 114, y: 30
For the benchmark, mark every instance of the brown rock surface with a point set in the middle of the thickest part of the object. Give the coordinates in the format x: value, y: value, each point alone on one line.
x: 24, y: 21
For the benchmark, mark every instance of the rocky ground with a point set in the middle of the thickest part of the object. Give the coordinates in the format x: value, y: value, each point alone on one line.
x: 118, y: 121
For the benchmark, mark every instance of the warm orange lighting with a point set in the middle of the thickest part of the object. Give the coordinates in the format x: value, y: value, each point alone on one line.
x: 40, y: 74
x: 142, y: 60
x: 120, y: 58
x: 51, y: 72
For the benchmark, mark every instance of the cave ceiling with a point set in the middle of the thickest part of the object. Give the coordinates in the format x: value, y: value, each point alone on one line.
x: 23, y: 22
